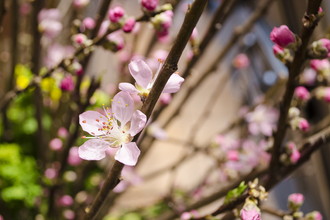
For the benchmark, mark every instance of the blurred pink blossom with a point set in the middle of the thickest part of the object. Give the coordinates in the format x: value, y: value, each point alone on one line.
x: 282, y: 36
x: 49, y: 22
x: 115, y: 14
x: 88, y: 23
x: 56, y: 144
x: 241, y: 61
x: 80, y: 3
x: 73, y: 158
x: 129, y: 25
x: 149, y: 5
x: 65, y: 200
x: 302, y: 93
x: 67, y: 83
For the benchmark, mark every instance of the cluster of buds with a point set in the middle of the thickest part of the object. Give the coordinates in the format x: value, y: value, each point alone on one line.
x: 284, y: 40
x: 321, y: 48
x: 250, y: 208
x: 163, y: 21
x: 117, y: 16
x: 81, y: 40
x: 297, y: 122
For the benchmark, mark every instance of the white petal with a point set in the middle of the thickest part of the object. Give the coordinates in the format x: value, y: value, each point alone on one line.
x: 173, y: 84
x: 123, y: 107
x: 93, y: 149
x: 91, y: 122
x: 128, y: 154
x: 138, y: 122
x: 127, y: 87
x: 140, y: 72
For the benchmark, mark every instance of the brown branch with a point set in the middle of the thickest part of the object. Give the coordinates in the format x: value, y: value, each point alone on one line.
x: 169, y: 67
x: 309, y: 24
x: 100, y: 16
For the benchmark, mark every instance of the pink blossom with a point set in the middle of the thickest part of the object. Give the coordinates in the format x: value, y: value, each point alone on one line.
x: 114, y: 129
x: 130, y: 178
x: 241, y: 61
x: 321, y: 66
x: 303, y: 124
x: 65, y: 200
x: 233, y: 155
x: 277, y: 50
x: 88, y: 23
x: 62, y: 132
x: 80, y: 39
x: 73, y: 158
x: 56, y: 53
x: 162, y: 22
x: 129, y: 25
x: 295, y: 156
x: 262, y: 120
x: 67, y: 83
x: 315, y: 215
x: 50, y: 173
x: 296, y: 199
x: 302, y: 93
x: 327, y: 94
x: 321, y: 47
x: 49, y: 22
x: 69, y: 214
x: 115, y: 14
x: 115, y: 42
x: 250, y: 212
x: 80, y: 3
x: 149, y: 5
x: 142, y: 74
x: 56, y: 144
x: 282, y: 36
x: 308, y: 76
x: 165, y: 98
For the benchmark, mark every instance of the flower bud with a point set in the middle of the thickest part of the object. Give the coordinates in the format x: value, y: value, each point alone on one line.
x: 165, y: 98
x: 62, y: 132
x: 295, y: 156
x: 115, y: 42
x: 67, y: 84
x: 80, y: 40
x: 303, y: 125
x: 281, y: 53
x: 282, y: 36
x: 115, y: 14
x: 65, y: 200
x: 315, y: 215
x: 241, y: 61
x: 149, y: 5
x: 88, y: 23
x: 80, y: 3
x: 73, y: 158
x: 250, y: 212
x: 321, y: 47
x: 294, y: 112
x: 295, y: 201
x: 56, y: 144
x: 129, y: 25
x: 302, y: 93
x: 322, y: 67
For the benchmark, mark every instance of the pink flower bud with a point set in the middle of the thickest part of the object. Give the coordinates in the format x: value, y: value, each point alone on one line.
x: 50, y: 173
x: 115, y: 14
x: 296, y: 199
x: 65, y: 200
x: 73, y: 158
x: 250, y: 214
x: 80, y: 3
x: 165, y: 98
x: 67, y: 83
x: 62, y: 132
x: 129, y: 25
x: 115, y: 42
x: 302, y: 93
x: 69, y: 214
x: 315, y: 215
x: 241, y: 61
x: 56, y: 144
x: 320, y: 65
x: 149, y: 5
x: 327, y: 94
x: 88, y: 23
x: 303, y: 125
x: 282, y: 36
x: 326, y: 44
x: 79, y: 39
x: 233, y: 155
x: 295, y: 156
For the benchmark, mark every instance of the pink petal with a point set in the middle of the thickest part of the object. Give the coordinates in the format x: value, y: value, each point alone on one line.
x: 91, y: 122
x: 127, y: 87
x: 140, y: 72
x: 123, y: 107
x: 128, y: 154
x: 138, y: 122
x: 93, y: 149
x: 173, y: 84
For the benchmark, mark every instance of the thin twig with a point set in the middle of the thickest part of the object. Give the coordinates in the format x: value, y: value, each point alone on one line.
x: 169, y: 67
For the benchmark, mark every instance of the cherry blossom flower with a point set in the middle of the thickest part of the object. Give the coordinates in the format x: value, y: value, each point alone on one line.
x: 262, y: 120
x: 142, y: 74
x: 115, y: 129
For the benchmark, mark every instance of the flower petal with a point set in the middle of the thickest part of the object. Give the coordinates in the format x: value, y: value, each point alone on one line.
x: 123, y: 107
x: 173, y: 84
x: 140, y: 72
x: 128, y: 154
x: 91, y: 122
x: 127, y: 87
x: 93, y: 149
x: 138, y: 122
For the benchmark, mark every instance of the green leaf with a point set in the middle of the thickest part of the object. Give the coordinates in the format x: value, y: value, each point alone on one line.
x: 235, y: 193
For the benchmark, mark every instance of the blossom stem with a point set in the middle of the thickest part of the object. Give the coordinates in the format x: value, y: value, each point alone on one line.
x: 294, y: 70
x: 168, y: 68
